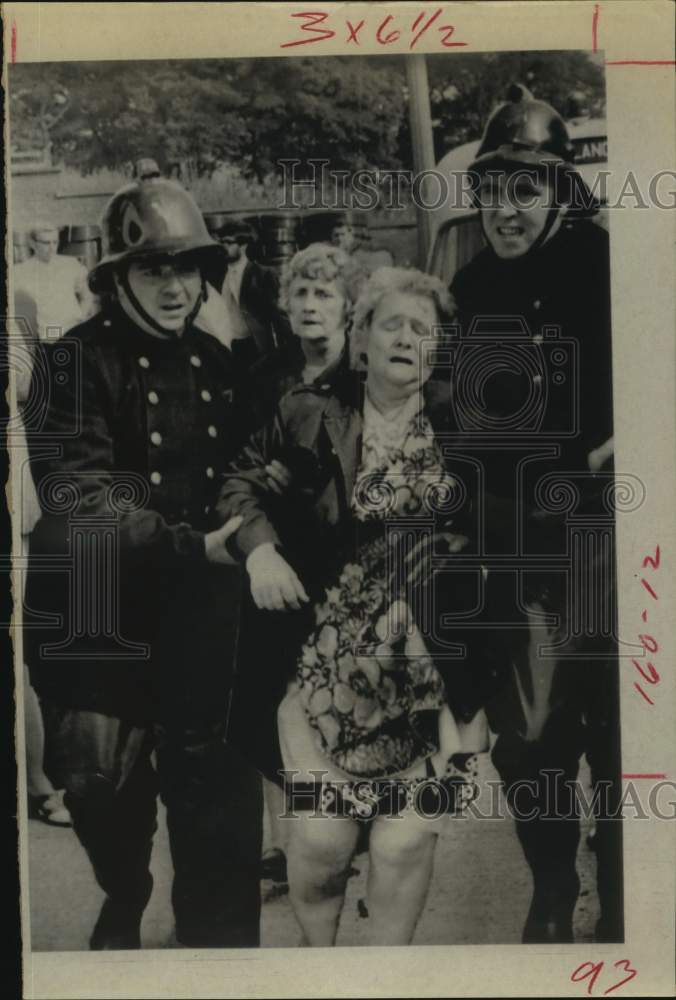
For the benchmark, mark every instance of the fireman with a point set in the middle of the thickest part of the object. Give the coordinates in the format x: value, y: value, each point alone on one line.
x: 534, y: 308
x: 140, y: 406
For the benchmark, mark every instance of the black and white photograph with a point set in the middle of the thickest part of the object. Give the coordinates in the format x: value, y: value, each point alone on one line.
x: 314, y: 471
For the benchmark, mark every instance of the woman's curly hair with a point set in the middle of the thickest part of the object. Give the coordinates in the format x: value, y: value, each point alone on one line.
x: 321, y: 262
x: 385, y: 281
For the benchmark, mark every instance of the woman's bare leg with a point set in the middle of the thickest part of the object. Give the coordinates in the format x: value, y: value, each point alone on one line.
x: 37, y: 781
x: 275, y: 803
x: 318, y: 856
x: 273, y: 860
x: 401, y: 858
x: 319, y: 848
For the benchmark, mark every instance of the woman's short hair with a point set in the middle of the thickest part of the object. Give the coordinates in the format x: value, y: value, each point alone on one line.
x: 386, y: 281
x: 320, y: 262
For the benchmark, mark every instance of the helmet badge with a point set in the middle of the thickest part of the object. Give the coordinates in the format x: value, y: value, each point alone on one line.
x: 132, y: 227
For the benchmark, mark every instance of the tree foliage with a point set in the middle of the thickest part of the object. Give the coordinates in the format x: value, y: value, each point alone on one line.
x: 463, y: 94
x: 351, y: 111
x: 246, y: 112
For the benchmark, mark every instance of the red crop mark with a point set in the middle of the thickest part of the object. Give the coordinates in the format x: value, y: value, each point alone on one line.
x: 640, y: 62
x: 595, y: 28
x: 622, y: 62
x: 12, y: 42
x: 637, y: 776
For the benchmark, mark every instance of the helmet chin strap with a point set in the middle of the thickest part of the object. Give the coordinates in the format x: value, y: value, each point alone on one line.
x: 123, y: 278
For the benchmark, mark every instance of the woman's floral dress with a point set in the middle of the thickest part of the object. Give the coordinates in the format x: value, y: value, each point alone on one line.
x: 369, y: 687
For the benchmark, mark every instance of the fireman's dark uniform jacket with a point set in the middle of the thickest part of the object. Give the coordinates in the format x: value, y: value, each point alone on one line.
x: 144, y: 429
x: 558, y: 300
x: 539, y: 325
x: 555, y: 293
x: 156, y: 423
x: 490, y: 290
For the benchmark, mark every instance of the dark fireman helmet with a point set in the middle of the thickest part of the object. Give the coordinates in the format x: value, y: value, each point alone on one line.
x: 528, y: 134
x: 154, y: 218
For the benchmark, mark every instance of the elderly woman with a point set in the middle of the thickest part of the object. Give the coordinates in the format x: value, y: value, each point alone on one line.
x: 369, y: 702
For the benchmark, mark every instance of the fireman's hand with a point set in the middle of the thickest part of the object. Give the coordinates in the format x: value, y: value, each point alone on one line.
x: 597, y: 458
x: 214, y: 542
x: 278, y: 477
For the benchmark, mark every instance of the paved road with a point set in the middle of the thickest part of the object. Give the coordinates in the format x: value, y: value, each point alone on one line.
x: 479, y: 894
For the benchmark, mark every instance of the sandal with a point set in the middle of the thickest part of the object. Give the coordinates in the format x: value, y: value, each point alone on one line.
x: 49, y: 809
x: 273, y: 865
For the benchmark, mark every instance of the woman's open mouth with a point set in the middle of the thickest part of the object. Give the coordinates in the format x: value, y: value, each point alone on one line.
x: 399, y: 359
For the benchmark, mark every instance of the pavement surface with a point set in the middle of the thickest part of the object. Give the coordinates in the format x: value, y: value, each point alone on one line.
x: 479, y: 894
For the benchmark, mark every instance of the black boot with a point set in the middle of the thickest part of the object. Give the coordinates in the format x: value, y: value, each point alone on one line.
x: 550, y: 917
x: 550, y: 848
x: 549, y: 836
x: 118, y: 927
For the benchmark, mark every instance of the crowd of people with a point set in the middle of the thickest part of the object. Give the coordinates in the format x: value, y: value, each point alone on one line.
x: 265, y: 557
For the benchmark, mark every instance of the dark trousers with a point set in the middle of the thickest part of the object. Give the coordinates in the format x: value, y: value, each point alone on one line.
x: 546, y: 711
x: 214, y: 817
x: 581, y: 716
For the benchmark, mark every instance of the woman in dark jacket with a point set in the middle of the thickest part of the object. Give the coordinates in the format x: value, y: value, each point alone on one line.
x: 369, y: 702
x: 316, y: 294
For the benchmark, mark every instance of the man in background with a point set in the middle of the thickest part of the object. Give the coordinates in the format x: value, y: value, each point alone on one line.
x: 51, y: 295
x: 356, y: 241
x: 260, y: 326
x: 50, y: 289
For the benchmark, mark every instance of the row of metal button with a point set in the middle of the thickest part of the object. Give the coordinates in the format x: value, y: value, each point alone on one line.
x: 156, y: 437
x: 156, y: 477
x: 154, y: 398
x: 195, y: 361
